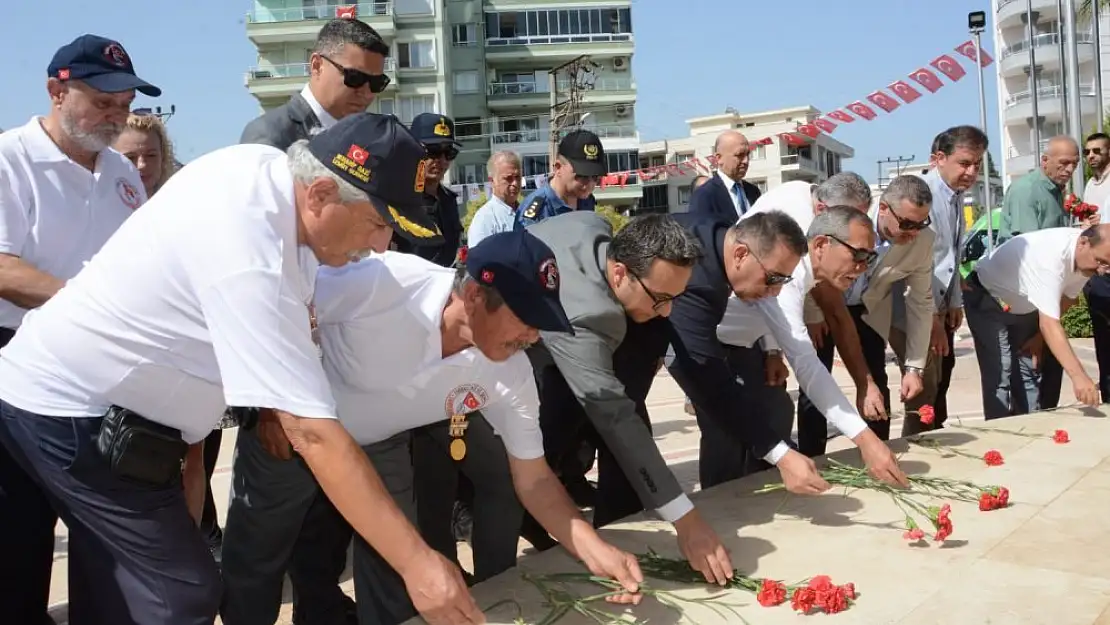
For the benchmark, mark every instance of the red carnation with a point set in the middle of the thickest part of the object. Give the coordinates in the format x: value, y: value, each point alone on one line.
x: 462, y: 255
x: 993, y: 458
x: 803, y: 599
x: 1061, y: 436
x: 926, y: 414
x: 771, y: 593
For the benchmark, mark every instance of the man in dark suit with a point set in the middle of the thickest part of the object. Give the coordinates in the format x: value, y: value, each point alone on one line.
x: 726, y: 194
x: 346, y: 72
x: 437, y: 133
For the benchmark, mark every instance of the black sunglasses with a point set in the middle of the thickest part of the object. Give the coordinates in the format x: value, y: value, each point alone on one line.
x: 1092, y: 151
x: 909, y: 224
x: 859, y: 255
x: 436, y: 151
x: 770, y: 278
x: 355, y: 78
x: 658, y: 300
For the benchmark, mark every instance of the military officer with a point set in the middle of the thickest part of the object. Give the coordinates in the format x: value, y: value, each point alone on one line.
x: 579, y: 166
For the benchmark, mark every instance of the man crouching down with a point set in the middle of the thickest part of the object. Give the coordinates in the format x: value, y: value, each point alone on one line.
x: 407, y: 343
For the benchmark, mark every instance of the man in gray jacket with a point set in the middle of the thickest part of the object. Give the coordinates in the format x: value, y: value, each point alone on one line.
x: 614, y: 287
x: 345, y: 72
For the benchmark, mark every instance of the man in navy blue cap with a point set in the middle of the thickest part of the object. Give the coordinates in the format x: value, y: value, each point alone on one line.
x: 63, y: 193
x: 200, y: 301
x: 406, y: 343
x: 578, y: 168
x: 437, y: 133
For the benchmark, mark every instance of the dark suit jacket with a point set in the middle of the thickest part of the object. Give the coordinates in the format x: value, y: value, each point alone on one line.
x: 283, y: 126
x: 444, y: 210
x: 713, y: 198
x: 700, y: 364
x: 607, y: 374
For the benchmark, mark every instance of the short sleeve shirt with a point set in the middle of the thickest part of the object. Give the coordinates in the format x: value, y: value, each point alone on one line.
x: 379, y: 323
x: 54, y: 213
x: 199, y: 301
x: 1032, y: 271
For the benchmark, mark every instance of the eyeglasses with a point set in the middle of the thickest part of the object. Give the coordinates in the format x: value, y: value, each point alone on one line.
x: 859, y: 255
x: 658, y: 300
x: 770, y: 278
x: 356, y: 78
x: 449, y: 151
x: 909, y: 224
x: 1092, y: 150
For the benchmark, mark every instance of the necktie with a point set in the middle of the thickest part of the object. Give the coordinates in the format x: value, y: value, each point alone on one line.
x: 738, y: 194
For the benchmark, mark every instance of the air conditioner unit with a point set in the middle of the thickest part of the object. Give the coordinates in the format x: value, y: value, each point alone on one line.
x: 623, y: 110
x: 620, y: 63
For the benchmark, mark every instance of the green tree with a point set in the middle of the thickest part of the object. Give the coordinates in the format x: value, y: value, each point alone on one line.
x: 615, y: 219
x: 472, y: 207
x: 1077, y: 321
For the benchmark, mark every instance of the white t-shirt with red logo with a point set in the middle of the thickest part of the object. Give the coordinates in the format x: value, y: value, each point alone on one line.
x: 54, y: 213
x: 379, y: 327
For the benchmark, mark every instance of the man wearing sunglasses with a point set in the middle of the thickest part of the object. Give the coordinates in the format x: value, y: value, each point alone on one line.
x: 345, y: 72
x: 1097, y: 152
x: 579, y: 165
x: 841, y: 245
x: 904, y: 263
x: 437, y: 133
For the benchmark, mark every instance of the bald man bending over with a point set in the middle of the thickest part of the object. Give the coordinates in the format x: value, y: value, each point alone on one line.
x: 726, y: 194
x: 1036, y: 200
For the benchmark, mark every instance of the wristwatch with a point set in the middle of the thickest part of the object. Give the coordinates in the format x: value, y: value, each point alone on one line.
x: 917, y: 370
x: 772, y: 352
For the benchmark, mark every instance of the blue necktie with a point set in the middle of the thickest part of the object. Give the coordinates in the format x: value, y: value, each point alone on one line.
x: 741, y: 203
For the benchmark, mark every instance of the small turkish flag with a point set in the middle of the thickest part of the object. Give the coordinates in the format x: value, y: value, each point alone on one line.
x: 471, y: 401
x: 949, y: 67
x: 792, y: 139
x: 926, y: 78
x: 841, y: 116
x: 862, y: 110
x: 347, y: 12
x: 967, y: 49
x: 903, y: 90
x: 358, y: 154
x: 883, y: 101
x: 808, y: 130
x: 824, y: 125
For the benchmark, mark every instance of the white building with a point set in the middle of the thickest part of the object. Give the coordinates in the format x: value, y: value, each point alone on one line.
x: 1012, y: 54
x: 974, y: 195
x: 483, y: 62
x: 771, y: 165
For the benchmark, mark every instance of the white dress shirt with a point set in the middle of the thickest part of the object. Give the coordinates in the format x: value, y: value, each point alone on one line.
x: 325, y: 118
x: 739, y: 200
x: 1032, y: 271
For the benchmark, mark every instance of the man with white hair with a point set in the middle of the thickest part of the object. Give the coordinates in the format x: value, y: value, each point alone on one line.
x: 63, y: 193
x: 197, y: 302
x: 497, y: 214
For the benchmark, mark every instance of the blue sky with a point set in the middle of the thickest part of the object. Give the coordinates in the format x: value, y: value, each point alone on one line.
x: 697, y: 60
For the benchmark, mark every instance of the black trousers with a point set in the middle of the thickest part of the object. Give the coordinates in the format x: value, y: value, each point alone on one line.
x: 26, y: 540
x: 209, y: 524
x: 873, y: 347
x: 813, y: 434
x: 1099, y: 306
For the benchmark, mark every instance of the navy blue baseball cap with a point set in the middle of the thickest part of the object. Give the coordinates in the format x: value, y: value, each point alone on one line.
x: 434, y: 129
x: 379, y: 156
x: 100, y: 63
x: 523, y: 271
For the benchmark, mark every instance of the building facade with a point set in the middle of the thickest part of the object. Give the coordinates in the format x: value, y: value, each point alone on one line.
x: 771, y: 165
x: 973, y: 196
x: 1015, y: 51
x: 486, y: 63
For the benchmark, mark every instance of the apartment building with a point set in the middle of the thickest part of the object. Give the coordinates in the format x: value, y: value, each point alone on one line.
x: 771, y: 165
x: 486, y: 63
x: 1015, y: 52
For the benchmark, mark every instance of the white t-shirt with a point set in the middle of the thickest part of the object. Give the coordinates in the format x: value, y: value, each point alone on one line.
x: 1097, y: 193
x: 795, y: 198
x: 200, y: 297
x: 54, y: 213
x: 1032, y: 271
x: 380, y: 329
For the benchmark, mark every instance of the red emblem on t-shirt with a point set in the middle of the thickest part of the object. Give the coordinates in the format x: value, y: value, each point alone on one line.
x: 471, y: 401
x: 128, y: 194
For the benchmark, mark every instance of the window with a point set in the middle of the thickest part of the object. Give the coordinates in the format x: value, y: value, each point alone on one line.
x: 385, y: 107
x: 654, y: 199
x: 683, y: 194
x: 622, y: 161
x: 408, y: 108
x: 658, y: 160
x: 414, y: 7
x: 416, y: 54
x: 535, y: 165
x: 759, y: 153
x: 471, y: 174
x: 468, y: 127
x: 464, y: 34
x: 466, y: 81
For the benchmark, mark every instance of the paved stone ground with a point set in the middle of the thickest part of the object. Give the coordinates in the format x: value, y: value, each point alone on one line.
x: 675, y: 432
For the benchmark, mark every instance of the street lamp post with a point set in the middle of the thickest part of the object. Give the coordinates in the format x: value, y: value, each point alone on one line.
x: 976, y: 22
x: 1071, y: 64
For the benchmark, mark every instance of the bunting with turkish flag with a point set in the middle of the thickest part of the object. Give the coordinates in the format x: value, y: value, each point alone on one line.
x: 883, y: 101
x: 346, y: 12
x: 968, y: 49
x: 809, y: 130
x: 926, y: 78
x: 949, y: 67
x: 824, y: 124
x: 862, y: 110
x: 841, y: 116
x: 792, y: 140
x: 903, y: 90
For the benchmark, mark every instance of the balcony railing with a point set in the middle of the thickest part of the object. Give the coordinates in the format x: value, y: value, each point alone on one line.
x: 297, y: 70
x: 517, y: 88
x: 601, y: 84
x: 798, y: 159
x: 1046, y: 39
x: 520, y: 136
x: 556, y: 39
x: 1047, y: 92
x: 1014, y: 152
x: 614, y: 131
x: 296, y: 14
